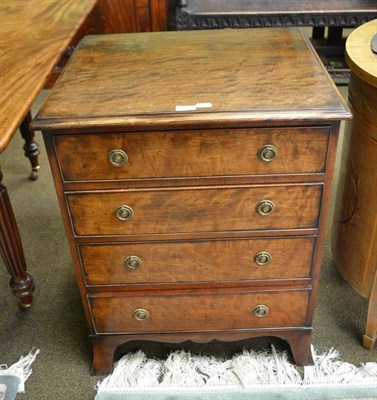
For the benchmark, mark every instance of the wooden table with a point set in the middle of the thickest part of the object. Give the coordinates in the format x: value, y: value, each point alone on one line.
x: 334, y: 14
x: 355, y: 223
x: 33, y: 36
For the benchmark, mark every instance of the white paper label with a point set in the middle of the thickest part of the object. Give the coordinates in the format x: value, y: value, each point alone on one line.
x: 193, y: 107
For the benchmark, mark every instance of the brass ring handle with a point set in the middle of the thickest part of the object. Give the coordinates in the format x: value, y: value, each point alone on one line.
x: 132, y: 262
x: 124, y: 213
x: 265, y: 207
x: 262, y: 258
x: 117, y: 158
x: 140, y: 314
x: 267, y: 153
x: 260, y: 310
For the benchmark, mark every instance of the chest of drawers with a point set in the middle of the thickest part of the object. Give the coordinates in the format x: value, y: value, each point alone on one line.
x: 193, y: 172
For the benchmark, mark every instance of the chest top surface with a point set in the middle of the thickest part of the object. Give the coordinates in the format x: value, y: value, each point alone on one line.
x: 254, y: 75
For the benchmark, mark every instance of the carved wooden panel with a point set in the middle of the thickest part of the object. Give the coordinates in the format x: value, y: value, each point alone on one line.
x: 217, y: 14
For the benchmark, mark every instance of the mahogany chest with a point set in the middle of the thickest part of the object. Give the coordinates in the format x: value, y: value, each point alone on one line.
x: 194, y: 172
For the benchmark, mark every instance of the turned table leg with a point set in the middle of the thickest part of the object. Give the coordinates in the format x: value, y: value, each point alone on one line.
x: 371, y: 328
x: 21, y: 281
x: 30, y: 147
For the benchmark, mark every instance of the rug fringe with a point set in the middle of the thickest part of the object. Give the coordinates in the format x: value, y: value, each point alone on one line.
x: 21, y: 369
x: 182, y: 369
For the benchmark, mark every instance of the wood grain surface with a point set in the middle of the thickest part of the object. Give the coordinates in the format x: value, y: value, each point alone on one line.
x: 34, y: 34
x: 354, y: 239
x: 195, y: 210
x: 122, y: 16
x: 355, y: 217
x: 197, y: 261
x: 109, y: 16
x: 203, y: 312
x: 254, y: 78
x: 192, y: 154
x: 159, y: 10
x: 359, y: 55
x: 196, y: 238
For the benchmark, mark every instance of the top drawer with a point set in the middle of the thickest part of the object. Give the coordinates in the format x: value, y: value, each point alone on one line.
x: 185, y: 154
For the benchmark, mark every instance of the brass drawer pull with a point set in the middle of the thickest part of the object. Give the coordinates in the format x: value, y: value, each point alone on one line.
x: 140, y: 314
x: 267, y: 153
x: 262, y: 258
x: 260, y: 311
x: 265, y: 207
x: 132, y: 262
x: 117, y: 158
x: 124, y: 213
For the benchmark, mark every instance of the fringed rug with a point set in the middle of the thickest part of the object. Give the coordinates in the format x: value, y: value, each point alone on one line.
x: 247, y: 376
x: 12, y: 379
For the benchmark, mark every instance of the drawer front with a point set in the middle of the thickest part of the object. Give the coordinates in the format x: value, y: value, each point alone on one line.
x: 207, y: 261
x: 194, y: 210
x: 204, y: 312
x: 191, y: 154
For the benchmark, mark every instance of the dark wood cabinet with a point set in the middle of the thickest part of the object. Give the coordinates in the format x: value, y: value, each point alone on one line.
x: 194, y: 171
x: 120, y: 16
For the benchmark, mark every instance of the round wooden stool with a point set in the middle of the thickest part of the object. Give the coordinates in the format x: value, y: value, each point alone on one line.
x: 354, y: 241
